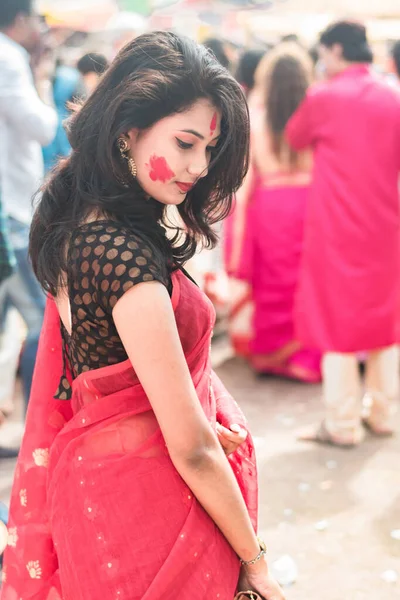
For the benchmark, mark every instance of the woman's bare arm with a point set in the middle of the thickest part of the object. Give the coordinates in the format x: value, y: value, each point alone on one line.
x: 146, y: 324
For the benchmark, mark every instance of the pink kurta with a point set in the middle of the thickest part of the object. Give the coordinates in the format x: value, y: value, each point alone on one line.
x: 348, y: 296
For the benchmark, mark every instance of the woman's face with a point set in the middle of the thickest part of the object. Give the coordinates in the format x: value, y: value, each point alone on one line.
x: 173, y: 154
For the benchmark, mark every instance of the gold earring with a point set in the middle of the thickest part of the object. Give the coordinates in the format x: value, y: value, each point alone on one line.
x: 132, y: 167
x: 124, y: 150
x: 123, y: 146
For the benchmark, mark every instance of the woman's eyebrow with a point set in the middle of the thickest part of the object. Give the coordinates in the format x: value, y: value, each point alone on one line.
x: 193, y: 132
x: 197, y: 134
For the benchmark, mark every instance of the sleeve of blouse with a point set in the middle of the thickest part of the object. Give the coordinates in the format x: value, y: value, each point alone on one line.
x: 122, y: 261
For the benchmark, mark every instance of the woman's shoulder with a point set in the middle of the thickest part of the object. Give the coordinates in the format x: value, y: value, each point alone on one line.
x: 107, y: 238
x: 109, y: 258
x: 94, y: 230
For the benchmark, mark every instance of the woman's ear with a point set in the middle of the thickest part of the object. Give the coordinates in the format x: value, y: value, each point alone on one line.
x: 132, y: 136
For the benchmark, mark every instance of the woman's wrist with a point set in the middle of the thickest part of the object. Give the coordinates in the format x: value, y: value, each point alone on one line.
x: 261, y: 566
x: 250, y: 551
x: 253, y: 556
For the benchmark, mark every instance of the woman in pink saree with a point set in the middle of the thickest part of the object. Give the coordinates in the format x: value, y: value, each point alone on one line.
x: 122, y: 489
x: 264, y: 235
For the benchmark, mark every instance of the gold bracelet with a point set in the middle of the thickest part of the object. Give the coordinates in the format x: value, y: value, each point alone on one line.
x: 263, y: 552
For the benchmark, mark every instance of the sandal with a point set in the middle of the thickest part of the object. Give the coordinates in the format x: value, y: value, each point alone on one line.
x: 322, y: 436
x: 376, y: 413
x: 375, y: 429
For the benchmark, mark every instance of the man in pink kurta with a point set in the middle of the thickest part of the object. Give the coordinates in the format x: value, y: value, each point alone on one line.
x: 348, y: 297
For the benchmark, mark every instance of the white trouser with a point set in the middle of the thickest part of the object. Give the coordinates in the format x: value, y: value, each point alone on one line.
x: 343, y: 390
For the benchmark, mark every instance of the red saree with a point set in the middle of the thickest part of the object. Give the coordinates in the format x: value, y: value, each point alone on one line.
x: 98, y: 509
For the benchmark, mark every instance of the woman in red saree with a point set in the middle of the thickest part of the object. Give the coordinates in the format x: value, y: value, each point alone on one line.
x: 264, y: 236
x: 122, y: 488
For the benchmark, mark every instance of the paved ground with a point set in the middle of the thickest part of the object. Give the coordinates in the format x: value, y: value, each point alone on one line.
x: 356, y: 492
x: 353, y: 495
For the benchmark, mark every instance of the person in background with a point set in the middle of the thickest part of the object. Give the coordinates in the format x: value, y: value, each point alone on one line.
x: 66, y: 88
x: 9, y: 342
x: 216, y: 46
x: 314, y: 54
x: 245, y: 74
x: 348, y: 300
x: 319, y: 67
x: 207, y: 266
x: 91, y: 67
x: 27, y: 122
x: 248, y: 63
x: 266, y: 237
x: 395, y: 60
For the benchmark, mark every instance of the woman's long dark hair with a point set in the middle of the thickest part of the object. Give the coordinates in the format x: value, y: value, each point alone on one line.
x: 284, y: 74
x: 156, y: 75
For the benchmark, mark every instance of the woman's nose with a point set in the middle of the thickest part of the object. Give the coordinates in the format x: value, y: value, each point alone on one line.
x: 198, y: 170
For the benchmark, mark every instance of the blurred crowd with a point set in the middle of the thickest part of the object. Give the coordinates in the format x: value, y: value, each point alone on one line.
x: 311, y: 248
x: 253, y: 276
x: 40, y: 85
x: 43, y: 77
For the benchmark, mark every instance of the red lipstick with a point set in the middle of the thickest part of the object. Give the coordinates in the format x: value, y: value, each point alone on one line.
x: 185, y: 187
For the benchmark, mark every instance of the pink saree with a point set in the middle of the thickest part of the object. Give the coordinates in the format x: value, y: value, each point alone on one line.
x: 98, y: 510
x: 265, y: 276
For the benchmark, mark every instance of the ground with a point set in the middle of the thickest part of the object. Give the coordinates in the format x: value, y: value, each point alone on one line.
x: 353, y: 496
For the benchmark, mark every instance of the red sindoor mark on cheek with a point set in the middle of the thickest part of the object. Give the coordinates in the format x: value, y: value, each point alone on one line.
x: 159, y: 169
x: 213, y: 124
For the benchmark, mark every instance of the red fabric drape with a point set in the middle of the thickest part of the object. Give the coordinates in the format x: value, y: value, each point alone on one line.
x: 98, y: 509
